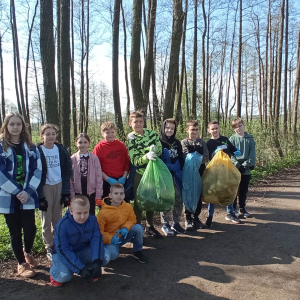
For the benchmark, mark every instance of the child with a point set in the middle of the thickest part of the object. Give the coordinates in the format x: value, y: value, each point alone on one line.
x: 139, y: 142
x: 113, y: 157
x: 245, y: 163
x: 190, y: 145
x: 87, y: 174
x: 20, y: 176
x: 117, y: 223
x: 78, y: 245
x: 58, y: 172
x: 216, y: 141
x: 175, y: 155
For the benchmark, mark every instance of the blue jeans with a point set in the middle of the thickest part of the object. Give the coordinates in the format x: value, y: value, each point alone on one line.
x: 230, y: 209
x: 60, y: 272
x: 211, y: 209
x: 135, y: 235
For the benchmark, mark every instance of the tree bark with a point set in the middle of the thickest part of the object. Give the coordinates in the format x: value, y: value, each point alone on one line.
x: 204, y: 112
x: 48, y: 60
x: 174, y: 59
x: 195, y: 52
x: 239, y: 72
x: 87, y: 51
x: 2, y: 80
x: 286, y: 53
x: 156, y: 114
x: 82, y: 111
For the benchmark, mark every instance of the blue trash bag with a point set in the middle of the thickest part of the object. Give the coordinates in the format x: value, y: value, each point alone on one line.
x: 191, y: 181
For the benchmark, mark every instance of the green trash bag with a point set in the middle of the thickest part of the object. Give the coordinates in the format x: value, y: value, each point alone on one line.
x: 156, y: 189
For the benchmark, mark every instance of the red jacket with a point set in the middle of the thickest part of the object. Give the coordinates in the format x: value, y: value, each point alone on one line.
x: 113, y: 158
x: 94, y: 178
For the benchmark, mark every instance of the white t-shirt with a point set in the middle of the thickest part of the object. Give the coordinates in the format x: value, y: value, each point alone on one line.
x: 53, y: 164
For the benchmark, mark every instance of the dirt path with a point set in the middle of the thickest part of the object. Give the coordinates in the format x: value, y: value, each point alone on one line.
x: 258, y: 259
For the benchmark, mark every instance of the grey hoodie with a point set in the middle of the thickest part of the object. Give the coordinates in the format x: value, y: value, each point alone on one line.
x: 247, y: 146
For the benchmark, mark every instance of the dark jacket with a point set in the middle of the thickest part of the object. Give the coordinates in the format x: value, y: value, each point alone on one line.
x: 71, y: 237
x: 65, y: 167
x: 213, y: 144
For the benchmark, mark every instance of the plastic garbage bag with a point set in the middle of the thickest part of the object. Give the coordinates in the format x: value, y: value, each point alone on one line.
x: 220, y: 180
x: 191, y: 181
x: 156, y: 189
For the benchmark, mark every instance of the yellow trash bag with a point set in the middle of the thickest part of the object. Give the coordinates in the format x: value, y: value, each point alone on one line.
x: 220, y: 180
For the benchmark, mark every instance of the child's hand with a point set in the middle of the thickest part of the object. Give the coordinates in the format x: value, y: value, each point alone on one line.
x: 152, y: 148
x: 151, y: 156
x: 23, y: 197
x: 97, y: 268
x: 238, y: 152
x: 43, y: 204
x: 111, y: 181
x: 218, y: 149
x: 242, y: 169
x: 122, y: 180
x: 86, y: 272
x: 115, y: 240
x: 123, y: 231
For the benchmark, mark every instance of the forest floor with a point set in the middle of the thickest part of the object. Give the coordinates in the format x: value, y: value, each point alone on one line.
x: 257, y: 259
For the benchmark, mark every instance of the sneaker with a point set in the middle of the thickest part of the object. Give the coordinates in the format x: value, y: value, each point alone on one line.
x: 94, y: 279
x: 189, y: 225
x: 25, y: 270
x: 151, y: 231
x: 55, y: 283
x: 167, y: 230
x: 209, y: 221
x: 239, y: 214
x: 177, y: 228
x: 198, y: 224
x: 140, y: 256
x: 30, y: 260
x: 232, y: 218
x: 245, y: 213
x: 49, y: 254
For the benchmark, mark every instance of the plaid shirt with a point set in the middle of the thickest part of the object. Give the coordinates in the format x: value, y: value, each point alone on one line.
x: 9, y: 187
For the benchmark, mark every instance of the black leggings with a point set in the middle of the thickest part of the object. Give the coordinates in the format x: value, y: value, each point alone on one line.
x: 242, y: 192
x: 21, y: 219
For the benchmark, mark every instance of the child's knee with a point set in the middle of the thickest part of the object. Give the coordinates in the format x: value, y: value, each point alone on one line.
x: 60, y: 274
x: 138, y: 228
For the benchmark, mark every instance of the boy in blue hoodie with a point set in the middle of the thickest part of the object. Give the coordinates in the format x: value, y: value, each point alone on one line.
x: 78, y: 245
x: 245, y: 163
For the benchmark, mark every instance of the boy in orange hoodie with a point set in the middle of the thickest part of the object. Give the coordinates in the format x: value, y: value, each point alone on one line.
x: 117, y: 222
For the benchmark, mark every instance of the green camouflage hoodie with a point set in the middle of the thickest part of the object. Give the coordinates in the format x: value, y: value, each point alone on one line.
x: 247, y: 146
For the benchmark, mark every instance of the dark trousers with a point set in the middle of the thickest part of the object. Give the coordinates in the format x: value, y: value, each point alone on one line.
x: 106, y: 188
x: 188, y: 214
x: 91, y: 198
x: 21, y: 219
x: 242, y: 192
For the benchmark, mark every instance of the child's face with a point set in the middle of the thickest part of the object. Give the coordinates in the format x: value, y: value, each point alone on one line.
x: 117, y: 196
x: 109, y: 135
x: 193, y: 132
x: 49, y: 136
x: 137, y: 125
x: 214, y: 130
x: 82, y: 144
x: 169, y: 129
x: 14, y: 126
x: 240, y: 129
x: 80, y: 213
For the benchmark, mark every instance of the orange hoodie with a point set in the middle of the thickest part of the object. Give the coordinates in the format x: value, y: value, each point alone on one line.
x: 112, y: 218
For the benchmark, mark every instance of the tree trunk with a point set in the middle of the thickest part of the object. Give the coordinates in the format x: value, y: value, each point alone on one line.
x: 208, y: 69
x: 82, y: 112
x: 125, y: 64
x: 239, y: 72
x: 174, y: 59
x: 87, y: 51
x: 74, y: 110
x: 64, y: 68
x: 271, y: 67
x: 48, y: 60
x: 156, y: 115
x: 286, y: 53
x: 115, y: 70
x: 58, y: 39
x: 186, y: 95
x: 195, y: 52
x: 204, y: 112
x: 2, y: 80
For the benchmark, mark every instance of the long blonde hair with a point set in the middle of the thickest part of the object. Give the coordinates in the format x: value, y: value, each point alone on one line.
x: 25, y: 136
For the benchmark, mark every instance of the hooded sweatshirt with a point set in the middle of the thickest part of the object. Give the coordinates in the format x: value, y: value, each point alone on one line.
x: 112, y: 218
x: 246, y: 145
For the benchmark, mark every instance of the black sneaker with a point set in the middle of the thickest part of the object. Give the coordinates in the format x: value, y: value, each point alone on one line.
x: 232, y: 218
x: 151, y: 231
x: 189, y: 225
x: 209, y: 221
x: 140, y: 256
x: 245, y: 213
x: 177, y: 228
x: 198, y: 224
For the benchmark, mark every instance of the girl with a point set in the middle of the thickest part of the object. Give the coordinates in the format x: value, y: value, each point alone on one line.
x: 87, y: 179
x: 20, y: 176
x: 56, y: 190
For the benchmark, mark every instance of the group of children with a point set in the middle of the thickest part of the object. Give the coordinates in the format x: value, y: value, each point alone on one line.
x: 46, y: 177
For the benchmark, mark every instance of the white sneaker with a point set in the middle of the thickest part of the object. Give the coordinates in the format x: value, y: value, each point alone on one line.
x: 167, y: 230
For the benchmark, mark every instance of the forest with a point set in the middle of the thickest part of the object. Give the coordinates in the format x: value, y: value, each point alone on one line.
x: 77, y: 63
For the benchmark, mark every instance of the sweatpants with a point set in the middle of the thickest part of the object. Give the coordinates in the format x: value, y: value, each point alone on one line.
x: 21, y: 219
x: 53, y: 214
x: 242, y: 192
x: 138, y: 212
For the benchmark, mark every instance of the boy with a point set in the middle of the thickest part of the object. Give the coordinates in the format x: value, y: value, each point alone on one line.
x: 214, y: 144
x: 174, y: 155
x: 245, y: 163
x: 189, y: 145
x: 117, y: 222
x: 138, y: 144
x: 113, y: 157
x: 78, y: 245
